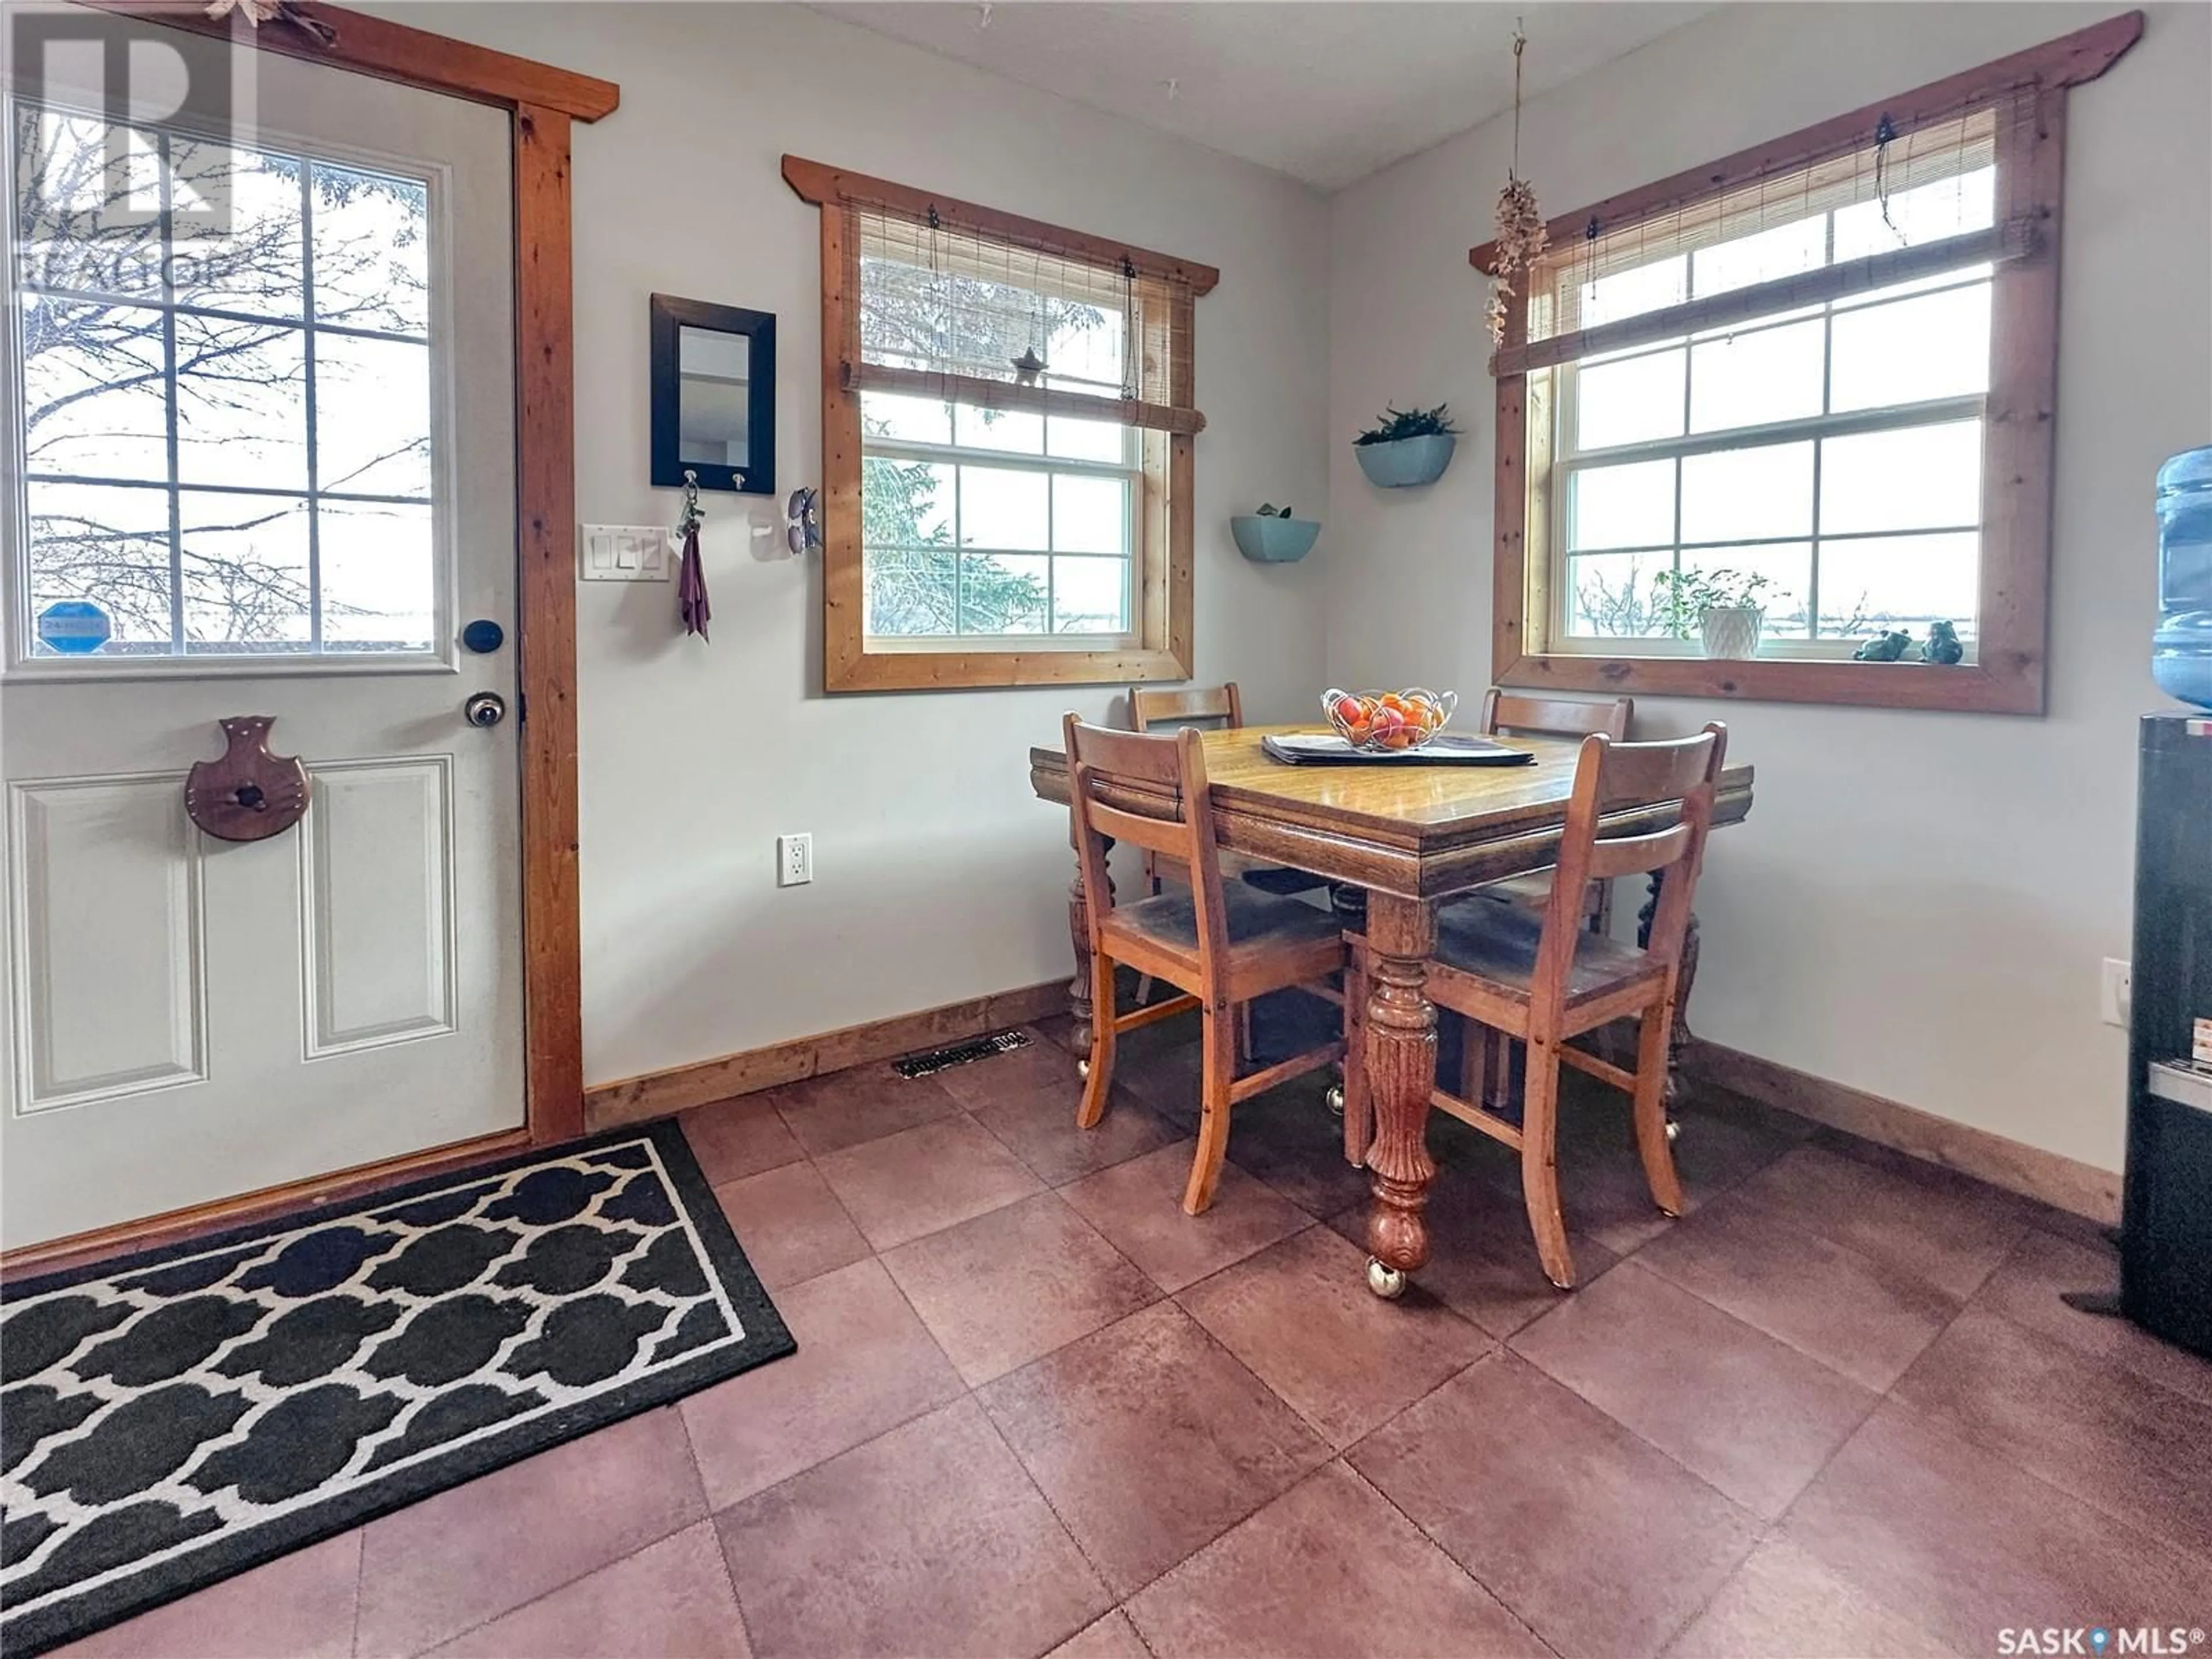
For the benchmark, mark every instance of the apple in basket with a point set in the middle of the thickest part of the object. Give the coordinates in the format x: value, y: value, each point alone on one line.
x: 1381, y: 721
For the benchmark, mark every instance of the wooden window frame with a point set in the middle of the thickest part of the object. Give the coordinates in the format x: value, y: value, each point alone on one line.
x: 542, y: 102
x: 1161, y: 574
x: 2007, y: 673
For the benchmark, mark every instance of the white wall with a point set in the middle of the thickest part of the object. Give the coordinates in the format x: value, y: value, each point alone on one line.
x: 1918, y: 903
x: 938, y: 875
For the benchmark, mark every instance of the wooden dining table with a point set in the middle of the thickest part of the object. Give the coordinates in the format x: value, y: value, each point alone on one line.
x: 1394, y: 842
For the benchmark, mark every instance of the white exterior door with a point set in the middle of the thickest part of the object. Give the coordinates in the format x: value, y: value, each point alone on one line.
x: 260, y: 395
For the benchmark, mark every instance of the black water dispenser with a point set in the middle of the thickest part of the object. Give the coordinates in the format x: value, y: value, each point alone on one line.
x: 2165, y: 1226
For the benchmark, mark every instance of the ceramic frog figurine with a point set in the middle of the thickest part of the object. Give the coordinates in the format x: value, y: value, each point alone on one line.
x: 1943, y: 644
x: 1889, y: 647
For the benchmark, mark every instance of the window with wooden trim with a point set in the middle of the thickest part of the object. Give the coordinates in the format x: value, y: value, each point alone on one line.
x: 1824, y: 368
x: 1007, y: 428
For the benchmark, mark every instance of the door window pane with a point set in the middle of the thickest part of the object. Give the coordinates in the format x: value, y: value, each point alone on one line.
x: 109, y: 545
x: 246, y: 581
x: 379, y: 584
x: 371, y: 416
x: 166, y: 440
x: 1630, y: 506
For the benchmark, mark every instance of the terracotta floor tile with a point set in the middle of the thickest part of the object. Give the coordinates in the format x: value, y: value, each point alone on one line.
x: 1020, y: 1074
x: 1112, y: 1637
x: 1601, y: 1544
x: 1964, y: 1542
x: 1038, y: 1122
x: 907, y: 1185
x: 1945, y: 1228
x: 1288, y: 1137
x: 1301, y: 1317
x: 1138, y: 1205
x: 1328, y: 1570
x: 1783, y: 1601
x: 1753, y: 1416
x: 733, y: 1139
x: 1149, y: 1439
x: 1868, y: 1319
x: 298, y: 1606
x: 2131, y: 1447
x: 998, y: 1291
x: 928, y: 1540
x: 1482, y: 1260
x: 865, y: 1365
x: 671, y: 1598
x: 828, y: 1113
x: 438, y: 1567
x: 2026, y: 1288
x: 791, y: 1225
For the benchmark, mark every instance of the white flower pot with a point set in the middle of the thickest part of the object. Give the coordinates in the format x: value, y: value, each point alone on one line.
x: 1731, y: 630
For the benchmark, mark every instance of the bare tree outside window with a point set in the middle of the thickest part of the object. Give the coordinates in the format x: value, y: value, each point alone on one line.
x: 226, y: 434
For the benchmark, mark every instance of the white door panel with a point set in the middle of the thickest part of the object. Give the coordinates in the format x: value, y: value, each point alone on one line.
x: 188, y: 1019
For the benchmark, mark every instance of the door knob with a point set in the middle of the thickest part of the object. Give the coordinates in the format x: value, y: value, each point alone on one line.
x: 486, y: 708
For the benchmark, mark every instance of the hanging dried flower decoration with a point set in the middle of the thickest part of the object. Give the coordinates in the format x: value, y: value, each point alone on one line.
x: 257, y: 12
x: 1520, y: 233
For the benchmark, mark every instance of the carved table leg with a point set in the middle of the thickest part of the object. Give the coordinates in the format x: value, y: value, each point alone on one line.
x: 1399, y: 1074
x: 1679, y: 1039
x: 1079, y: 935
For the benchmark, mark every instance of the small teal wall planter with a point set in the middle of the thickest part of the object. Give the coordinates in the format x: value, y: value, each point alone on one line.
x: 1268, y: 540
x: 1407, y: 461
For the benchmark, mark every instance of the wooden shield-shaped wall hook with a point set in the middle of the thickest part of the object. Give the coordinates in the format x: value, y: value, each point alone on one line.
x: 249, y: 794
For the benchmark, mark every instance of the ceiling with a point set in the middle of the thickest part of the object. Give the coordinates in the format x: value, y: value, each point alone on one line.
x: 1325, y: 90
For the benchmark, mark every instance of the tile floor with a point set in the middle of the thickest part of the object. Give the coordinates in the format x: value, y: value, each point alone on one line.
x: 1837, y: 1409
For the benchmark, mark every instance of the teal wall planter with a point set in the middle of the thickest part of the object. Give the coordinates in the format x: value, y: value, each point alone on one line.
x: 1270, y: 540
x: 1407, y: 461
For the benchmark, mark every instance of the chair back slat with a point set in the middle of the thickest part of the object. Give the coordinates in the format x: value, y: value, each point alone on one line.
x: 1154, y: 706
x: 1636, y: 773
x: 1611, y: 777
x: 1181, y: 827
x: 1637, y: 855
x: 1554, y: 717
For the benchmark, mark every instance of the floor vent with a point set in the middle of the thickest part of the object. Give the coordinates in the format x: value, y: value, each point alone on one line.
x: 959, y: 1054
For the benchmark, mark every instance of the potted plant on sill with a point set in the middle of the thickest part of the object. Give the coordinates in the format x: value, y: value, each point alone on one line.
x: 1725, y: 605
x: 1407, y: 446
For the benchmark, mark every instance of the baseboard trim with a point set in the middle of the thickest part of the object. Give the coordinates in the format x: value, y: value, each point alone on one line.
x: 2053, y: 1177
x: 657, y: 1094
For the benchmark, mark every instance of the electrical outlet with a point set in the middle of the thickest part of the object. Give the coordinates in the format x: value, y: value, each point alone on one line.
x: 2116, y: 992
x: 795, y: 861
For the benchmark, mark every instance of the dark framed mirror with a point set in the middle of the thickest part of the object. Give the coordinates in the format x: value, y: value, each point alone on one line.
x: 714, y: 396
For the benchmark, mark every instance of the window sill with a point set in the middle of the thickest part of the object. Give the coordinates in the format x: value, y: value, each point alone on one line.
x: 2007, y: 685
x: 957, y: 671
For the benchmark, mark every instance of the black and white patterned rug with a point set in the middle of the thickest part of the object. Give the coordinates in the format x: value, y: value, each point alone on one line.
x: 173, y: 1418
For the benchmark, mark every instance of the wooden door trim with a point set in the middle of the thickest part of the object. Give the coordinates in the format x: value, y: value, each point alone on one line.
x: 390, y: 52
x: 542, y: 102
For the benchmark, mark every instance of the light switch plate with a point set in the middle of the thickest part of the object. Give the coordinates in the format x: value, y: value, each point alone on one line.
x: 622, y: 553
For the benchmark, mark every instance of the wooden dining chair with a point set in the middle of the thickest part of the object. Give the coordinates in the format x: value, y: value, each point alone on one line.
x: 1543, y: 979
x: 1222, y: 944
x: 1513, y: 712
x: 1152, y: 707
